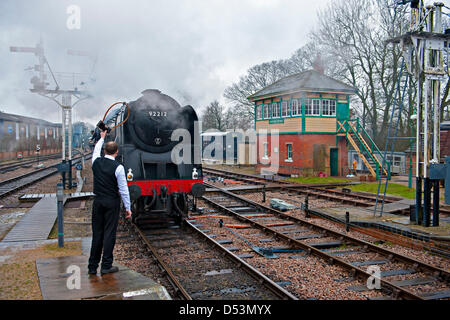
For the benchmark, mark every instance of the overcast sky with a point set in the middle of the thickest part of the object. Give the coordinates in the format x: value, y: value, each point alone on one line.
x: 191, y: 50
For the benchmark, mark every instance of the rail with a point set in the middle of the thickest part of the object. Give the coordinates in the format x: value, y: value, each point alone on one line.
x: 273, y: 287
x: 396, y: 290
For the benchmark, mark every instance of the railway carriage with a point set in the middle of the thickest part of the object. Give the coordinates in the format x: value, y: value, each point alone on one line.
x: 226, y: 143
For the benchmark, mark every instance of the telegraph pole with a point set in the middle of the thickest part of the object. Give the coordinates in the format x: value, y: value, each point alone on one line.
x: 423, y: 48
x: 66, y: 99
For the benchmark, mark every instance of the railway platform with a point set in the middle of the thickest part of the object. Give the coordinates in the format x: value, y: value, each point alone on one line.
x: 36, y: 224
x: 54, y: 274
x: 57, y: 280
x: 37, y: 196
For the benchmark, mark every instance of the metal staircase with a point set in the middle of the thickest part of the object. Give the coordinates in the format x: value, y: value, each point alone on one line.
x: 364, y: 146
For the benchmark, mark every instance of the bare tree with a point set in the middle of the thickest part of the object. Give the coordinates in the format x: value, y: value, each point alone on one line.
x: 213, y: 117
x: 237, y: 117
x: 258, y: 77
x: 445, y: 103
x: 351, y: 39
x: 355, y: 32
x: 264, y: 74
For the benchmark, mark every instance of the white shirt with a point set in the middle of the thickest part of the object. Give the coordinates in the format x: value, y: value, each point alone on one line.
x: 120, y: 174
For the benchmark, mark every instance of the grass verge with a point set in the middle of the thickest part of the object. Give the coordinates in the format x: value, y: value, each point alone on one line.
x: 393, y: 189
x: 19, y: 279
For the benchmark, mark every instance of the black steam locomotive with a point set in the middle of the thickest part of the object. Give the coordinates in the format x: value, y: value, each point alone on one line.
x: 159, y: 187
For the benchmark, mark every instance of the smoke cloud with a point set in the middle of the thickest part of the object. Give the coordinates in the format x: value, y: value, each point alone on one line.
x: 190, y: 50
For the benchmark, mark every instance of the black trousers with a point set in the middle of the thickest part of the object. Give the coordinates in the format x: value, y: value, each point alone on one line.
x: 105, y: 217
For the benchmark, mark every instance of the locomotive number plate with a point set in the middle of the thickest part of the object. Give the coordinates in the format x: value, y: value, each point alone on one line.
x: 157, y: 113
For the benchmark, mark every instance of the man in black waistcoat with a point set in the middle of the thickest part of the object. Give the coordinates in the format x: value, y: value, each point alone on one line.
x: 110, y: 185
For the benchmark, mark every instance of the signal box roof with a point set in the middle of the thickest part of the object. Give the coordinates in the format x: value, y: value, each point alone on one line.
x: 305, y: 81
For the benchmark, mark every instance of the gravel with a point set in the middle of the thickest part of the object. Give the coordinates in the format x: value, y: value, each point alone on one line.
x: 127, y: 253
x: 21, y: 171
x: 417, y: 254
x: 309, y: 276
x: 420, y: 255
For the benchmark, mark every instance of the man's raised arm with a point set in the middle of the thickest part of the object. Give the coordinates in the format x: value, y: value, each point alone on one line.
x: 98, y: 146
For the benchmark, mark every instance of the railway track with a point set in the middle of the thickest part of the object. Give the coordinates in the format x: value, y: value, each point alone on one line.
x: 321, y: 193
x: 350, y: 198
x: 199, y: 267
x: 402, y: 277
x: 354, y: 199
x: 21, y: 163
x: 414, y: 241
x: 247, y: 178
x: 14, y: 184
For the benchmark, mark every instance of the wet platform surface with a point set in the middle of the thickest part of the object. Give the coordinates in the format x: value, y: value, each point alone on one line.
x: 57, y: 282
x: 396, y: 206
x: 36, y: 224
x: 71, y: 196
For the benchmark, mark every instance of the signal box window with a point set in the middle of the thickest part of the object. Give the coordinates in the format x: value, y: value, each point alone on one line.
x: 259, y: 112
x: 329, y: 107
x: 275, y: 110
x: 296, y: 109
x: 312, y: 107
x: 284, y: 109
x: 266, y: 111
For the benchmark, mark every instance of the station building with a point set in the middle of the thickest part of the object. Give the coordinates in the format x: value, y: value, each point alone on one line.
x: 235, y: 148
x: 311, y: 112
x: 20, y: 134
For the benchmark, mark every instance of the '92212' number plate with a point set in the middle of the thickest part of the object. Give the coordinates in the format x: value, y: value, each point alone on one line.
x: 157, y: 113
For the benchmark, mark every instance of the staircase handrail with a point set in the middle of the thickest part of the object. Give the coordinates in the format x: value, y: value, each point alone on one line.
x: 370, y: 139
x: 364, y: 146
x: 375, y: 148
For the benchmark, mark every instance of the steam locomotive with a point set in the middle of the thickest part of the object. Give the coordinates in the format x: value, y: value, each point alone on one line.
x: 159, y: 187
